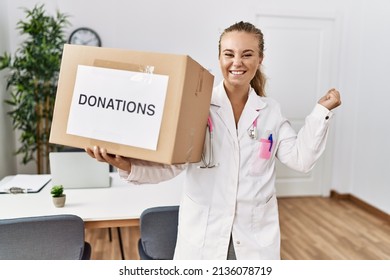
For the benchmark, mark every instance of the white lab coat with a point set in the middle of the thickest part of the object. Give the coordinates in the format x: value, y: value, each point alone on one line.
x: 237, y: 197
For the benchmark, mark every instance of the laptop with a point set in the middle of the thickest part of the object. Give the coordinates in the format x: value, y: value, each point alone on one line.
x: 78, y: 170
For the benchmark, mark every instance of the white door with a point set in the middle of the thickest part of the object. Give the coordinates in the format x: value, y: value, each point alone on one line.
x: 299, y: 63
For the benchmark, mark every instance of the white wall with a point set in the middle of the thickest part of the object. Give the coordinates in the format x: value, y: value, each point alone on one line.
x: 359, y: 145
x: 371, y: 149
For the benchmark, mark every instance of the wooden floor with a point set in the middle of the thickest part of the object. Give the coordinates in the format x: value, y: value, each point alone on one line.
x: 312, y: 228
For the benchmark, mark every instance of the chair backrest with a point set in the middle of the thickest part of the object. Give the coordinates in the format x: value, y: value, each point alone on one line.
x: 57, y: 237
x: 158, y: 227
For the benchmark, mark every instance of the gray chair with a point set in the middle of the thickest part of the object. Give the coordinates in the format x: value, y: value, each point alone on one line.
x: 158, y: 230
x: 56, y: 237
x: 73, y: 149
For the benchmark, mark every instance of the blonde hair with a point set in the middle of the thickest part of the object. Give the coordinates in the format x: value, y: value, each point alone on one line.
x: 258, y: 81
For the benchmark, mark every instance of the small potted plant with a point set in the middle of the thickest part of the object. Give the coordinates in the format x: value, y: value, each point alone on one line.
x: 58, y: 195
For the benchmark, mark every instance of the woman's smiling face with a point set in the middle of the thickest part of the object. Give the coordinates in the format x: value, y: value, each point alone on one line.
x: 239, y: 58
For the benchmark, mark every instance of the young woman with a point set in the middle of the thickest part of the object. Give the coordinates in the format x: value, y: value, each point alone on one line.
x: 229, y: 208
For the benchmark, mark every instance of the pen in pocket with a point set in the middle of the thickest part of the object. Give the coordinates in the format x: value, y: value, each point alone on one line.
x: 266, y: 144
x: 271, y: 140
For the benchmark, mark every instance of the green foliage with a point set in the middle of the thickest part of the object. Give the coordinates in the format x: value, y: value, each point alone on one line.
x: 32, y: 80
x: 57, y: 191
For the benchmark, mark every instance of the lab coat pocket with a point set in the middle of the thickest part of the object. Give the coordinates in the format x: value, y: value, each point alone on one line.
x: 193, y: 221
x: 265, y: 148
x: 265, y: 222
x: 261, y: 158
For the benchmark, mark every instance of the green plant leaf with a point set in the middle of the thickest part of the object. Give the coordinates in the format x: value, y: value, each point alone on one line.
x: 57, y: 190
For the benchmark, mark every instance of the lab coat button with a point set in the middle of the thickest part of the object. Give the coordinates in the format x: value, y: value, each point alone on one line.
x: 327, y: 117
x: 238, y: 242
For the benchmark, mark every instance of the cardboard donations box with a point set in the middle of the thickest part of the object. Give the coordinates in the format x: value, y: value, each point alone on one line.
x: 143, y: 105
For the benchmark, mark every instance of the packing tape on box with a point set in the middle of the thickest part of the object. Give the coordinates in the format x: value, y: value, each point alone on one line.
x: 199, y: 87
x: 148, y: 69
x: 191, y: 147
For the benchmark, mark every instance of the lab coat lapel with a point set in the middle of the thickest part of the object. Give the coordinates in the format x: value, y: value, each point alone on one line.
x: 221, y: 105
x: 250, y: 113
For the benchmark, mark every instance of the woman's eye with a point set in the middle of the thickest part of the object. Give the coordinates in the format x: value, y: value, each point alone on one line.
x: 248, y: 55
x: 229, y: 55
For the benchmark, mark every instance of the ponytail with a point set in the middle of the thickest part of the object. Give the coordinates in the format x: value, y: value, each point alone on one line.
x: 258, y: 83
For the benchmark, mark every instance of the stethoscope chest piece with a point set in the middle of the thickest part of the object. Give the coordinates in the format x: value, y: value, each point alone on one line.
x: 253, y: 133
x: 253, y: 130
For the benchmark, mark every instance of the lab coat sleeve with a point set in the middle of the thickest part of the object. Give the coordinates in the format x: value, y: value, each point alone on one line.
x: 301, y: 151
x: 144, y: 172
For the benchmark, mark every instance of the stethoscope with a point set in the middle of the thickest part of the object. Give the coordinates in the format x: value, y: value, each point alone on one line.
x: 210, y: 162
x: 210, y: 159
x: 253, y: 131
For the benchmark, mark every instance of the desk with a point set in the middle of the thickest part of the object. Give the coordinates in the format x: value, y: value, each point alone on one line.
x: 117, y: 206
